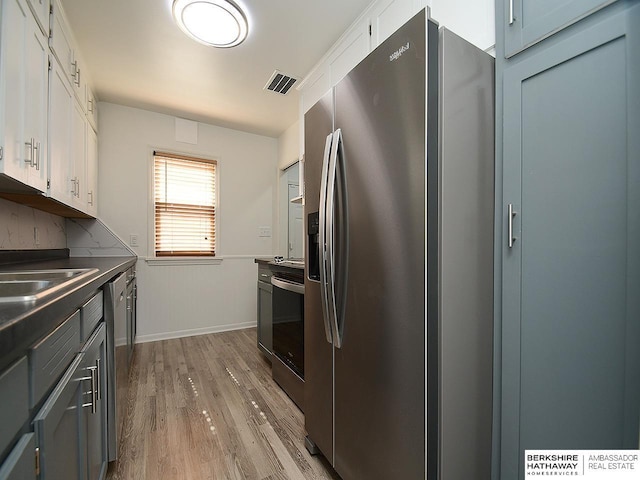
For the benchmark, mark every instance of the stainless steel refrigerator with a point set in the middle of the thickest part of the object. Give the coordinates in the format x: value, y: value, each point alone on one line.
x: 398, y: 179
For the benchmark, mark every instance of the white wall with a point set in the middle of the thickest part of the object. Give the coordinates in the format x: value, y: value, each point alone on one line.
x: 17, y: 223
x: 178, y: 300
x: 473, y: 20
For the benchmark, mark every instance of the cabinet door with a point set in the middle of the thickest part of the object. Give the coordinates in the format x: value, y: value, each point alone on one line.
x: 529, y: 21
x: 92, y: 172
x: 353, y: 48
x: 61, y: 107
x: 40, y: 10
x: 15, y: 26
x: 20, y: 464
x: 265, y: 322
x: 58, y: 427
x: 389, y: 15
x: 79, y: 80
x: 95, y: 405
x: 61, y: 44
x: 570, y: 330
x: 92, y: 109
x: 35, y: 129
x: 79, y: 157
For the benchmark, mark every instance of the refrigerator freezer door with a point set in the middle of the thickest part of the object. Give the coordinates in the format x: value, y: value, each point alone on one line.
x: 380, y: 367
x: 318, y: 352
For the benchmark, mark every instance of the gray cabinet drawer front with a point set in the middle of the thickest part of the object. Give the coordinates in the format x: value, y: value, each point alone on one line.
x: 14, y: 395
x: 264, y: 274
x: 90, y: 315
x: 49, y: 358
x: 20, y: 464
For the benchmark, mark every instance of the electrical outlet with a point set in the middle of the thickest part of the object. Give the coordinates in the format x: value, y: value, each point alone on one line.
x: 264, y: 231
x: 133, y: 240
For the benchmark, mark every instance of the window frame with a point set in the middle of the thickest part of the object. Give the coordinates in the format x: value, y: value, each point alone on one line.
x: 178, y: 259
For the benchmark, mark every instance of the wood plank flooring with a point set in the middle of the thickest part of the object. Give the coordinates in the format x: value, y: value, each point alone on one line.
x: 206, y: 407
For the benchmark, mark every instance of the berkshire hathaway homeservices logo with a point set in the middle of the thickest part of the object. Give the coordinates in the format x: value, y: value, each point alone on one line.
x: 585, y: 464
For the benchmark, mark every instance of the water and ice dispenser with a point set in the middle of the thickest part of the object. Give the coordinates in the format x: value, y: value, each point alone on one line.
x: 313, y: 246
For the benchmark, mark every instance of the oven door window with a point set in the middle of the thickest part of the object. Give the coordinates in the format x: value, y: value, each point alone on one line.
x: 288, y: 329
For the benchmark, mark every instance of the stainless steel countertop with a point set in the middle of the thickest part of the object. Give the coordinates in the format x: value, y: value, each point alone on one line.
x: 21, y: 324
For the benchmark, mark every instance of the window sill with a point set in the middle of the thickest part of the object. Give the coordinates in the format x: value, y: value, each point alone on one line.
x: 178, y: 261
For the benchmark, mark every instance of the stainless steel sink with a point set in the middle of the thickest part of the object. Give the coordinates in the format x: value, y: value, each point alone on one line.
x: 31, y: 285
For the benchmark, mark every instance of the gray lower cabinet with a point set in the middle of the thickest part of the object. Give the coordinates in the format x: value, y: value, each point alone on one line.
x: 20, y: 464
x: 265, y: 320
x: 58, y: 426
x: 71, y: 426
x: 95, y: 406
x: 529, y: 21
x: 570, y: 358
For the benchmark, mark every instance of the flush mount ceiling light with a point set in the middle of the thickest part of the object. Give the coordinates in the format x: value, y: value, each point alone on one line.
x: 220, y: 23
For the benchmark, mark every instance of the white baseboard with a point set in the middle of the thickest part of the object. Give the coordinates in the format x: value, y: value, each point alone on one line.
x: 155, y: 337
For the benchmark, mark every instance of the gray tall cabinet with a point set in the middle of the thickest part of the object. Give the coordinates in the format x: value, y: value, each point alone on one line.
x: 567, y: 228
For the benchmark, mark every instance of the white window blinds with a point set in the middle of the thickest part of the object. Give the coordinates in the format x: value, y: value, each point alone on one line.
x: 185, y: 206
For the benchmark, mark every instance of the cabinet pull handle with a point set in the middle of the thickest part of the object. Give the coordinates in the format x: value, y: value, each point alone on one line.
x: 36, y: 148
x: 90, y: 198
x: 511, y: 214
x: 93, y: 392
x: 77, y: 81
x: 74, y: 74
x: 512, y: 17
x: 98, y: 380
x: 31, y: 160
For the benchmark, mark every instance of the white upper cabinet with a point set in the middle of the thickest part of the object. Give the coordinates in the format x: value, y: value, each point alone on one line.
x: 92, y: 108
x: 92, y: 172
x: 23, y: 94
x: 350, y: 51
x: 79, y: 79
x: 61, y: 109
x: 79, y: 157
x: 61, y: 43
x: 389, y: 15
x: 40, y: 9
x: 35, y: 128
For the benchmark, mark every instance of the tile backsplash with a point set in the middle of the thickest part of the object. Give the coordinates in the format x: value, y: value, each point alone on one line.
x: 17, y: 225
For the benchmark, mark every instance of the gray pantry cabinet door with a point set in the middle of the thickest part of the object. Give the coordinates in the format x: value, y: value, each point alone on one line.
x: 58, y: 427
x: 20, y: 464
x: 529, y: 21
x: 95, y: 418
x: 571, y: 308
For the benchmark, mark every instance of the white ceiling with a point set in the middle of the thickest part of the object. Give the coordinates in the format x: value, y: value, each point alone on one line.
x: 137, y: 56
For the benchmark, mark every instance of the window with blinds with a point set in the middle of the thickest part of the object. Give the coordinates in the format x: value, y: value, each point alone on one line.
x: 185, y: 205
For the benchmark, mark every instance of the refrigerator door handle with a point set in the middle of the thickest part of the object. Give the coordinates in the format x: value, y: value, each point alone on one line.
x: 323, y: 237
x: 331, y: 194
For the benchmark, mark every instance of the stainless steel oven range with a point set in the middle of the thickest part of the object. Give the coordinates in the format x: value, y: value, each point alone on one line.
x: 288, y: 331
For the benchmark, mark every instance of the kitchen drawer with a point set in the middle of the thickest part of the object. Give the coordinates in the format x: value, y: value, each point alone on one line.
x: 20, y: 464
x: 90, y: 315
x: 14, y: 396
x: 52, y: 355
x: 264, y: 274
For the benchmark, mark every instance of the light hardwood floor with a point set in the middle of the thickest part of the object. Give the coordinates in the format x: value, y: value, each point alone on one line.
x: 206, y: 408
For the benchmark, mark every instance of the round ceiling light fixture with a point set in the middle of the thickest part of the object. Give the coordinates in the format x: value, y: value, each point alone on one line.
x: 220, y: 23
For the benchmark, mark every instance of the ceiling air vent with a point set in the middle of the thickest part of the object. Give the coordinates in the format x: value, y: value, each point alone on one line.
x: 280, y: 82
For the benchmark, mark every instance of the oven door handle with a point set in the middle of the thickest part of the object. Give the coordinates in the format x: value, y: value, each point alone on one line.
x: 288, y: 286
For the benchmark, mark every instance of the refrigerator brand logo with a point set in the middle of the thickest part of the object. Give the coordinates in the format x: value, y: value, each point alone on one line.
x: 398, y: 53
